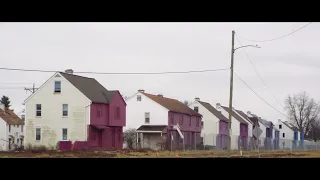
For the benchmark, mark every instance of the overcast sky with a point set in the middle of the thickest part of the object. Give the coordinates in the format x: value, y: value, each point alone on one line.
x: 287, y: 66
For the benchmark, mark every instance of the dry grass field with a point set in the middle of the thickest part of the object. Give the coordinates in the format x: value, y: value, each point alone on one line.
x: 161, y: 154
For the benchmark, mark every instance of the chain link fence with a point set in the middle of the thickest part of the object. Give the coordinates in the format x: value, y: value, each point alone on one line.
x: 220, y: 142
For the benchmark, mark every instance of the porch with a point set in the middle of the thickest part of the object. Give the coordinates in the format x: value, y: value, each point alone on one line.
x: 151, y: 136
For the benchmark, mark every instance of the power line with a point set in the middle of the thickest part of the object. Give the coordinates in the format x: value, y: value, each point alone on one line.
x: 259, y: 74
x: 277, y: 37
x: 258, y: 94
x: 121, y: 73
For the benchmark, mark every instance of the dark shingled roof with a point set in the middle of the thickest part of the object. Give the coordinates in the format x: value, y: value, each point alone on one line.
x: 292, y: 127
x: 151, y: 128
x: 90, y: 87
x: 213, y: 110
x: 244, y: 115
x: 10, y: 117
x: 172, y: 104
x: 235, y: 115
x: 255, y: 121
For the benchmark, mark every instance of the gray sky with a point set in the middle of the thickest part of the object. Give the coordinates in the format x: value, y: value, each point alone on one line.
x: 288, y: 65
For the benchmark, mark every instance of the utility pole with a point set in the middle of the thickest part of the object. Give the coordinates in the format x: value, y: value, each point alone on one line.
x: 32, y: 90
x: 231, y: 93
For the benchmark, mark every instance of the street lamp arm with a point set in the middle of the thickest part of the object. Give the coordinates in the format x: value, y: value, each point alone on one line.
x: 256, y: 46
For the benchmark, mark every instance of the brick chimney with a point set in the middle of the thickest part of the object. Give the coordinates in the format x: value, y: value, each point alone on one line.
x: 69, y: 71
x: 218, y: 106
x: 141, y: 90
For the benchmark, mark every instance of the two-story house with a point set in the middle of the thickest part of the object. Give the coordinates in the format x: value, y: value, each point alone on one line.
x: 11, y: 129
x: 215, y: 124
x: 162, y: 122
x: 74, y: 108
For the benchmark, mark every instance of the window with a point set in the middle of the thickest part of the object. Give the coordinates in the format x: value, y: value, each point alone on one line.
x: 181, y: 120
x: 171, y: 119
x: 117, y: 112
x: 57, y: 86
x: 23, y: 117
x: 17, y: 141
x: 280, y: 126
x: 64, y: 109
x: 18, y: 126
x: 196, y: 109
x: 21, y: 128
x: 93, y: 136
x: 198, y: 122
x: 9, y: 128
x: 64, y: 134
x: 283, y: 135
x: 202, y: 124
x: 147, y: 117
x: 38, y: 134
x: 138, y: 98
x: 190, y: 121
x: 99, y: 112
x: 38, y: 110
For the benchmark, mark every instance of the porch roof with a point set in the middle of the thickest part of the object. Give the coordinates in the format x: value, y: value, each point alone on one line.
x: 152, y: 128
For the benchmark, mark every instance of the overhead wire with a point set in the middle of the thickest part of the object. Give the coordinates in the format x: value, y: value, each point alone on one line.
x: 258, y: 94
x: 258, y: 73
x: 120, y: 73
x: 280, y: 37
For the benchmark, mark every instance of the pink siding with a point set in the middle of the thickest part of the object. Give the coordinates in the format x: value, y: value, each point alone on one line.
x: 104, y: 116
x: 108, y: 138
x: 117, y: 101
x: 185, y: 122
x: 243, y: 130
x: 223, y: 127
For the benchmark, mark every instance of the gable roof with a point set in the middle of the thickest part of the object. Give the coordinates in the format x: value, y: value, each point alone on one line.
x: 10, y: 117
x: 213, y: 110
x: 255, y: 121
x: 291, y: 126
x: 244, y: 115
x: 90, y: 87
x: 235, y: 115
x: 172, y: 104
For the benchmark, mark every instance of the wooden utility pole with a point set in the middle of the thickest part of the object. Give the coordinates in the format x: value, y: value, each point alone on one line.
x: 231, y: 93
x: 33, y: 89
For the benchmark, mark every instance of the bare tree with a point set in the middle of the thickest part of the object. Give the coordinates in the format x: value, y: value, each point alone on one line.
x: 186, y: 102
x: 314, y: 132
x: 302, y: 111
x: 130, y: 136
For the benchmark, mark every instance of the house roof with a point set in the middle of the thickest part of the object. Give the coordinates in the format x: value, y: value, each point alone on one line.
x: 10, y: 117
x: 291, y: 126
x: 235, y: 115
x: 172, y: 104
x: 255, y: 121
x: 151, y: 128
x: 213, y: 110
x: 244, y: 115
x: 90, y: 87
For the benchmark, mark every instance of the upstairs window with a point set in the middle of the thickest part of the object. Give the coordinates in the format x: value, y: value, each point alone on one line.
x: 190, y: 121
x: 23, y: 117
x: 147, y: 117
x: 198, y: 122
x: 57, y: 86
x: 38, y: 110
x: 283, y: 135
x: 117, y: 112
x: 280, y: 126
x: 21, y: 128
x: 202, y: 124
x: 171, y: 119
x: 9, y: 128
x: 64, y: 110
x: 196, y: 109
x: 139, y: 98
x: 181, y: 120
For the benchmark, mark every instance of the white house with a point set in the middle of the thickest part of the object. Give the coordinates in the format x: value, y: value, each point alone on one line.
x: 68, y: 107
x: 286, y: 134
x: 247, y: 119
x: 211, y: 118
x: 11, y: 129
x: 159, y: 119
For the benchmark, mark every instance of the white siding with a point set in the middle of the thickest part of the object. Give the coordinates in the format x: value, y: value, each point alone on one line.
x: 249, y: 124
x: 51, y: 121
x: 3, y: 135
x: 235, y: 124
x: 136, y: 110
x: 210, y: 124
x: 285, y: 142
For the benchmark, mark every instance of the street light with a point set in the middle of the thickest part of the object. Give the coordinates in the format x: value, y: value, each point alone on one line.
x: 231, y: 85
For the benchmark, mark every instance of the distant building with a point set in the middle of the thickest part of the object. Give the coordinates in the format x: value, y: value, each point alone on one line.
x: 162, y: 122
x: 74, y: 108
x: 11, y: 129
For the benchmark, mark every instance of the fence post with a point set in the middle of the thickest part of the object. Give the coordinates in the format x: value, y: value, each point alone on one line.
x: 204, y: 146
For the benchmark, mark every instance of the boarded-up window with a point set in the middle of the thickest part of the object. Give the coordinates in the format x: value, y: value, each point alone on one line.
x: 198, y: 122
x: 196, y: 109
x: 202, y: 124
x: 117, y: 112
x: 99, y: 112
x: 21, y: 128
x: 138, y: 98
x: 171, y: 119
x: 181, y: 120
x: 190, y: 121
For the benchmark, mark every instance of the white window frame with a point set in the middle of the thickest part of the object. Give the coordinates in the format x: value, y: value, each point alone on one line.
x: 38, y: 110
x: 62, y: 134
x: 55, y: 90
x: 36, y: 134
x: 146, y: 115
x: 139, y: 98
x: 64, y: 110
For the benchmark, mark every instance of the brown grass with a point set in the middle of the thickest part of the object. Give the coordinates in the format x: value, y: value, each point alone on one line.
x: 40, y: 152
